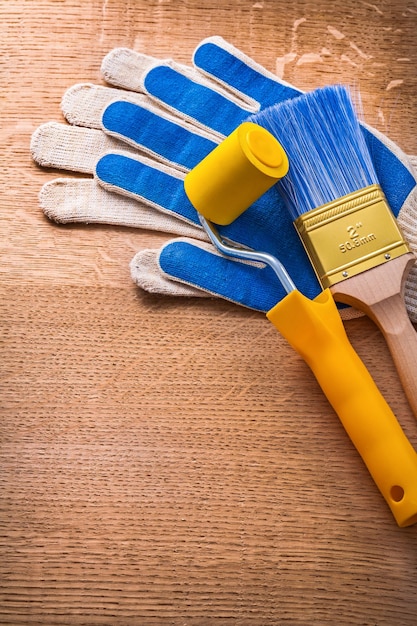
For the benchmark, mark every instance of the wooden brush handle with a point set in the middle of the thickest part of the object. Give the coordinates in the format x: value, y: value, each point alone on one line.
x: 379, y: 294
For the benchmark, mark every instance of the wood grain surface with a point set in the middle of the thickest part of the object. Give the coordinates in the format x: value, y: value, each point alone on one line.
x: 173, y: 461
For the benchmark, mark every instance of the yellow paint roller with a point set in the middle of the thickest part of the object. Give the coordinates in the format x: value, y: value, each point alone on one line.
x: 221, y: 187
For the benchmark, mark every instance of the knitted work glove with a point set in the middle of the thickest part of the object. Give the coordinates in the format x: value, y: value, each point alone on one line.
x: 157, y: 121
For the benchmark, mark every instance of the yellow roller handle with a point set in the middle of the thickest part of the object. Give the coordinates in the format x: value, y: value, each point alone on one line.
x: 315, y: 330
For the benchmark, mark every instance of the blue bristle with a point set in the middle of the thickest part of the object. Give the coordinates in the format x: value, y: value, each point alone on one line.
x: 326, y: 149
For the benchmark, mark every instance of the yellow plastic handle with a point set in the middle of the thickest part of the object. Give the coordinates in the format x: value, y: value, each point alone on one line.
x: 315, y: 330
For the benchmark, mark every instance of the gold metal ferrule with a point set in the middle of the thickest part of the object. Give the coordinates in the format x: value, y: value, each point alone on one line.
x: 350, y: 235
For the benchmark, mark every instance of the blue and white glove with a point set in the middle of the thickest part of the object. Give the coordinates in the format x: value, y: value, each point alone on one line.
x: 142, y: 137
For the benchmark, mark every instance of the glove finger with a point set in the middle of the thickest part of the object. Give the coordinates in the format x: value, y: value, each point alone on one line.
x: 147, y: 274
x: 152, y: 183
x: 249, y: 284
x: 161, y: 137
x: 195, y: 100
x: 74, y: 200
x: 173, y: 271
x: 83, y: 104
x: 125, y: 68
x: 71, y: 148
x: 234, y: 70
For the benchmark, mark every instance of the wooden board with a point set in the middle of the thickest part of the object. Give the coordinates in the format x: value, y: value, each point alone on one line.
x: 170, y: 461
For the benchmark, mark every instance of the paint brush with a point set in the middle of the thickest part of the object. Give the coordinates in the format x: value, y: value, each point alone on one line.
x: 342, y: 216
